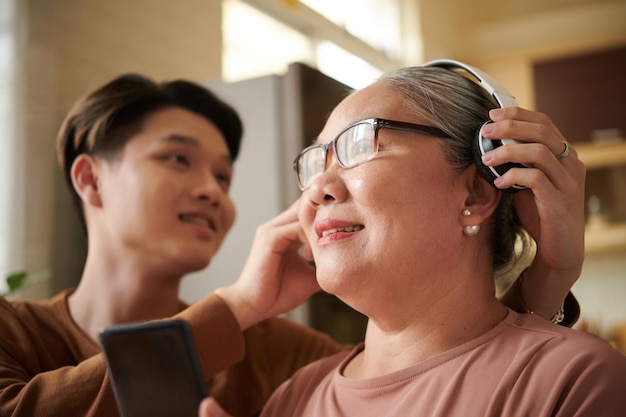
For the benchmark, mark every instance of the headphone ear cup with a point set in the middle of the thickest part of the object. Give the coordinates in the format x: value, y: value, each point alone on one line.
x: 483, y: 145
x: 478, y: 150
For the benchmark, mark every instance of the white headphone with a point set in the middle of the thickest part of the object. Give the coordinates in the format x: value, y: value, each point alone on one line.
x: 504, y: 99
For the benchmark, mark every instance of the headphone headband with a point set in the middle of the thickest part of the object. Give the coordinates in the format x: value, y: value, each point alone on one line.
x: 504, y: 99
x: 502, y: 96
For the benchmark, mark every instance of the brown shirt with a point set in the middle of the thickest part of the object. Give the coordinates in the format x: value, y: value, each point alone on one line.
x: 49, y: 367
x: 525, y: 366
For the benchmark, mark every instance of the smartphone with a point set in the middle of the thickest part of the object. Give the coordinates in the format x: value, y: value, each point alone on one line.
x: 154, y: 369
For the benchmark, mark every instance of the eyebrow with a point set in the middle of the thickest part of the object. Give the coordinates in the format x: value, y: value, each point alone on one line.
x: 192, y: 142
x: 182, y: 139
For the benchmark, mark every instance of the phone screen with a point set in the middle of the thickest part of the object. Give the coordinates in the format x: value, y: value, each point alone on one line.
x: 154, y: 369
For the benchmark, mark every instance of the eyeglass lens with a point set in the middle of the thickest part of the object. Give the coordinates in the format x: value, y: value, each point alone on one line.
x: 352, y: 147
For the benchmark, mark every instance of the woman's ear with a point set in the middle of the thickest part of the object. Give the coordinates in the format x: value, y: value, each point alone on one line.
x: 85, y: 178
x: 481, y: 201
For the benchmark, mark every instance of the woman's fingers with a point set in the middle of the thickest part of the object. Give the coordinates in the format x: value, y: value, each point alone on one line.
x: 541, y: 144
x: 524, y: 126
x: 540, y: 162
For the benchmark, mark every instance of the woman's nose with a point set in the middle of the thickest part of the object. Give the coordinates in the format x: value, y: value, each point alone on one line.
x: 328, y: 186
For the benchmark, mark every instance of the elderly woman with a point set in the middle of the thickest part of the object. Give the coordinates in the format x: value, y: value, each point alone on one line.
x: 404, y: 229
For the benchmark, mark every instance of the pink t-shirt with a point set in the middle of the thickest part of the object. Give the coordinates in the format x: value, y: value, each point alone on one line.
x: 525, y: 366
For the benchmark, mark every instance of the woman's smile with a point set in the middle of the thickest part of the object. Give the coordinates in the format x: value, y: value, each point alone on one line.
x: 348, y: 229
x: 331, y: 230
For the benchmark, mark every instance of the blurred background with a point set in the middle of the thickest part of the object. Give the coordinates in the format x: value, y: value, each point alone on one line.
x: 284, y: 64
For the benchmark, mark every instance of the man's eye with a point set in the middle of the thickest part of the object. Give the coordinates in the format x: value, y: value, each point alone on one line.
x: 179, y: 159
x: 224, y: 180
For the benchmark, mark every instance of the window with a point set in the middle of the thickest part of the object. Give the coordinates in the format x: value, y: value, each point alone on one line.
x: 7, y: 117
x: 341, y: 38
x: 344, y: 66
x: 374, y: 21
x: 256, y: 44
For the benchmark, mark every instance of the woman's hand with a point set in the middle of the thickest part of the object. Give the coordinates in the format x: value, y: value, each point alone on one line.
x: 277, y: 275
x: 552, y: 209
x: 210, y: 408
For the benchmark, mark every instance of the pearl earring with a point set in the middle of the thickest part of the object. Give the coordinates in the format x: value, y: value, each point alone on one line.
x: 470, y: 230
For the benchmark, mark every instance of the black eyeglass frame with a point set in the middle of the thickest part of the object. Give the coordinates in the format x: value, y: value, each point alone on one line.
x: 378, y: 124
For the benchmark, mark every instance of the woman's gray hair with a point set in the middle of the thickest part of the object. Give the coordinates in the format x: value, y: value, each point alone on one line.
x: 447, y: 100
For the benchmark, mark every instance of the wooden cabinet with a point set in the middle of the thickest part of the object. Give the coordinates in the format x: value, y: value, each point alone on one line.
x: 583, y: 93
x: 605, y: 193
x: 585, y: 96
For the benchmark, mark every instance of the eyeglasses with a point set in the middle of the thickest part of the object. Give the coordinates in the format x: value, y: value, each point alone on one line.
x: 354, y: 145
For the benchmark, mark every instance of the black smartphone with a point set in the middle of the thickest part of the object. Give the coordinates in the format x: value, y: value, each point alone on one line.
x: 154, y: 369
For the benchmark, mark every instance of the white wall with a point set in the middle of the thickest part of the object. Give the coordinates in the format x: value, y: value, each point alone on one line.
x: 7, y: 47
x: 11, y: 137
x: 601, y: 291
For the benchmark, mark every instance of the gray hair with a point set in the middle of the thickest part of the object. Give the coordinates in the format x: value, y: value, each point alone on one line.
x: 447, y: 100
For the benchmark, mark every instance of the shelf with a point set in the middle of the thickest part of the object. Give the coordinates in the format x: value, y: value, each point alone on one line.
x: 601, y: 236
x: 601, y: 155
